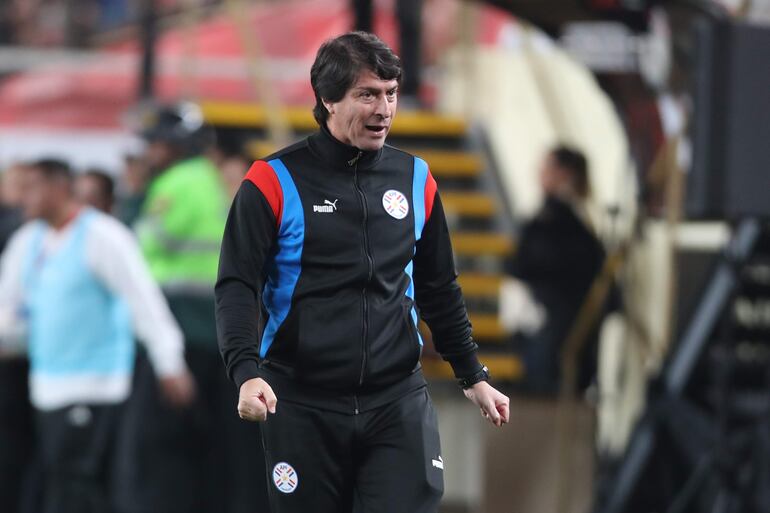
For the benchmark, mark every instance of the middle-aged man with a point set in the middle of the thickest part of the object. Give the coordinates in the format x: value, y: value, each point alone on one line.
x: 76, y: 278
x: 340, y: 238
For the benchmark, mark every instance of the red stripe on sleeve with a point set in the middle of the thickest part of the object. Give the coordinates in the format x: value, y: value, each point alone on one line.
x: 263, y: 176
x: 430, y: 195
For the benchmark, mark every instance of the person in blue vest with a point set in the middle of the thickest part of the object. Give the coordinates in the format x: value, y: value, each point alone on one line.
x: 75, y: 277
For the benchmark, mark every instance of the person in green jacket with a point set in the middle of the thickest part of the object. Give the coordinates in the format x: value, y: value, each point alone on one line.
x: 181, y: 223
x: 184, y: 461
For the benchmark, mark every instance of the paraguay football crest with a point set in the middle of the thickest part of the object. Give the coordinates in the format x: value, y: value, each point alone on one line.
x: 395, y: 204
x: 285, y: 477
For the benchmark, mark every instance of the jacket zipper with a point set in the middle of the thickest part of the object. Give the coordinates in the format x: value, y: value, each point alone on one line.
x: 370, y: 262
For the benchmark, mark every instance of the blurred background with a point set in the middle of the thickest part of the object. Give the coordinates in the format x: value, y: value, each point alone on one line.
x: 605, y: 168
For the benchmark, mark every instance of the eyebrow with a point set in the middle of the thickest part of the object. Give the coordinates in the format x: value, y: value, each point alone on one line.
x: 376, y: 89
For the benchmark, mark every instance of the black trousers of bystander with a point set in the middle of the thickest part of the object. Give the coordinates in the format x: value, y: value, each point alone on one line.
x: 75, y: 447
x: 16, y: 432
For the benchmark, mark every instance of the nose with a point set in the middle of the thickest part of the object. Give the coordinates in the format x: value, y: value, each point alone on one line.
x: 383, y: 107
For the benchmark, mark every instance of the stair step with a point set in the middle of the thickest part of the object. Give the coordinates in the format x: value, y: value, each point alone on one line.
x: 469, y: 204
x: 451, y: 164
x: 487, y: 328
x: 504, y: 367
x: 481, y: 244
x: 300, y: 119
x: 480, y: 285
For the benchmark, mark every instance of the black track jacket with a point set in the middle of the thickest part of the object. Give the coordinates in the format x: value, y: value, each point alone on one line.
x: 336, y: 251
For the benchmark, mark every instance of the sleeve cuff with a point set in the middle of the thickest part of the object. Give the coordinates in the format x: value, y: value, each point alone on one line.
x: 167, y: 361
x: 466, y: 365
x: 244, y: 371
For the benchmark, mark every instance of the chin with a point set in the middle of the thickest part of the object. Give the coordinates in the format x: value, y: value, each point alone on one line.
x: 370, y: 145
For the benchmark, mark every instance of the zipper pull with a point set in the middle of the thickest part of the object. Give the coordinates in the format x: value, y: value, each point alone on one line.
x: 352, y: 162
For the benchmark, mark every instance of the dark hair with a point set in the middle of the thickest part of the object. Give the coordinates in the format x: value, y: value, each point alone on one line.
x: 106, y: 183
x: 575, y: 163
x: 340, y: 61
x: 52, y: 169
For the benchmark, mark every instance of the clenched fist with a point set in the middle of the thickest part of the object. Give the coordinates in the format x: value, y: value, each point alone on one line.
x: 494, y: 406
x: 255, y: 400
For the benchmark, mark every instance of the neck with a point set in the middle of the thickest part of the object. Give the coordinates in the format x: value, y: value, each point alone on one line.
x: 332, y: 150
x: 64, y: 215
x: 335, y: 133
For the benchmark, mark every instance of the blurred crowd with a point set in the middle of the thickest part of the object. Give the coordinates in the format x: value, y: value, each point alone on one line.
x: 98, y: 422
x: 72, y: 22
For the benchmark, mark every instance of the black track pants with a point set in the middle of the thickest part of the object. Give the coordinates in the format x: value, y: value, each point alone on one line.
x: 16, y: 432
x: 76, y: 447
x: 386, y: 460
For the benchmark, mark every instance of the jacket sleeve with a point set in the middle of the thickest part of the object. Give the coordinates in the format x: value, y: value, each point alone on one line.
x: 438, y: 295
x: 249, y: 235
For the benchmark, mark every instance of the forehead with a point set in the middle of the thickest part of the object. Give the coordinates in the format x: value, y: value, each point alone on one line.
x: 87, y: 181
x: 367, y: 79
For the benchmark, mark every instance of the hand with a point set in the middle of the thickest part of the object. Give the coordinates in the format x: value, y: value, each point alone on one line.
x: 178, y: 389
x: 494, y: 405
x: 255, y: 400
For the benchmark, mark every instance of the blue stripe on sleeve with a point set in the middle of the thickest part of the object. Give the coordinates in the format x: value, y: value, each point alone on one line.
x: 419, y: 180
x: 418, y: 196
x: 284, y: 270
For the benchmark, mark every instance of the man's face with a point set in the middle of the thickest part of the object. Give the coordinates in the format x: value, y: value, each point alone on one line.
x: 89, y: 191
x: 11, y: 192
x: 364, y: 115
x: 159, y: 156
x: 40, y: 196
x: 554, y: 181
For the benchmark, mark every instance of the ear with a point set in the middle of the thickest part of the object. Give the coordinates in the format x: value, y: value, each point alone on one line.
x: 329, y: 106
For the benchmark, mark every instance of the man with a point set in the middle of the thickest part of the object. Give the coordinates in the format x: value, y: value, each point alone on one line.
x: 232, y: 158
x: 340, y: 237
x: 96, y: 188
x: 558, y: 257
x: 76, y: 278
x: 132, y: 189
x: 16, y: 433
x: 409, y: 18
x: 10, y: 202
x: 202, y: 458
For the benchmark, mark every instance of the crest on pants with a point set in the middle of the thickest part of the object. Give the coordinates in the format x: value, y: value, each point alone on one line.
x: 285, y: 477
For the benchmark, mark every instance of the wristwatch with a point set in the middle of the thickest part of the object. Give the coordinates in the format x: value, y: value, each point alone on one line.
x: 482, y: 375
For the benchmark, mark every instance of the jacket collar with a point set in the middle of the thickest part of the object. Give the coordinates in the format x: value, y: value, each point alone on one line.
x: 341, y: 155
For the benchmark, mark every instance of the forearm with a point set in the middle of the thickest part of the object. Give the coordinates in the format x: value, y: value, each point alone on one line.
x: 443, y: 310
x: 439, y: 297
x: 237, y: 329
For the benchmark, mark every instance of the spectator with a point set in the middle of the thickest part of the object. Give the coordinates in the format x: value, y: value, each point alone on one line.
x: 96, y: 189
x: 133, y: 189
x: 233, y: 161
x: 180, y: 230
x: 409, y: 16
x: 76, y: 276
x: 558, y: 257
x: 10, y: 202
x: 16, y: 429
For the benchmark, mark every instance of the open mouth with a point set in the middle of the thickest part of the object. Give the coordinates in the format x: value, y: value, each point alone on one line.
x: 376, y: 129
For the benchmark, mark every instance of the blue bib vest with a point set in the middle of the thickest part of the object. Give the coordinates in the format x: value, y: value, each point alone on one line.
x: 77, y: 327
